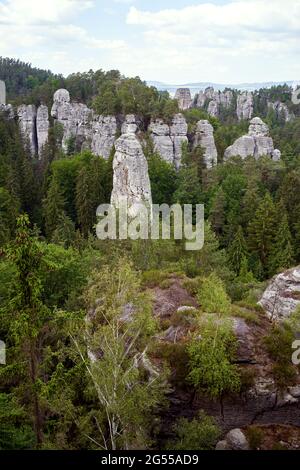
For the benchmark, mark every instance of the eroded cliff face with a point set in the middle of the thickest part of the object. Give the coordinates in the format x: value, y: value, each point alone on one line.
x: 131, y: 183
x: 245, y: 106
x: 87, y: 129
x: 168, y: 139
x: 257, y: 143
x: 282, y: 296
x: 204, y: 136
x: 215, y: 99
x: 27, y: 122
x: 184, y: 98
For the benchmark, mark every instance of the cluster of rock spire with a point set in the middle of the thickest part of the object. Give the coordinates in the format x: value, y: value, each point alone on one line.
x: 239, y: 102
x: 88, y: 130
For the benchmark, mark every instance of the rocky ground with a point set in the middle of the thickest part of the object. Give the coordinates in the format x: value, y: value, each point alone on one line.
x: 261, y: 404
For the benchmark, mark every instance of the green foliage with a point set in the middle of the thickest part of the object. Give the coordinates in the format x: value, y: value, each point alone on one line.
x: 121, y: 341
x: 255, y: 437
x: 15, y: 432
x: 212, y: 295
x: 200, y: 433
x: 279, y: 346
x: 163, y: 179
x: 210, y: 359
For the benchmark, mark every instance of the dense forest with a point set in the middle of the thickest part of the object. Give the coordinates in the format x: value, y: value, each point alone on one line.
x: 63, y: 291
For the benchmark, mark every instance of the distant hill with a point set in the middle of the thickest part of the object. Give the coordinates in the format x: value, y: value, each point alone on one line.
x: 195, y: 87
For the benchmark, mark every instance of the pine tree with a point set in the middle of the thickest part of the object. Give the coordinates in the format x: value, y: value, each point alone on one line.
x: 28, y: 315
x: 53, y: 207
x: 262, y: 231
x: 217, y: 212
x: 86, y: 213
x: 282, y: 255
x: 237, y: 250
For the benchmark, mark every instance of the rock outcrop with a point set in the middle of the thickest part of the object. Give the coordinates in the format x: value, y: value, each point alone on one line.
x: 282, y: 296
x: 215, y: 100
x: 245, y: 105
x: 282, y: 111
x: 27, y: 123
x: 168, y: 139
x: 234, y: 440
x: 87, y: 129
x: 184, y: 98
x: 256, y: 144
x: 103, y: 135
x: 204, y: 136
x: 131, y: 181
x: 2, y: 93
x: 42, y: 128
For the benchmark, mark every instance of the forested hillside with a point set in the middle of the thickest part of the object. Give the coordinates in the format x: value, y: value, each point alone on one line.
x: 102, y: 337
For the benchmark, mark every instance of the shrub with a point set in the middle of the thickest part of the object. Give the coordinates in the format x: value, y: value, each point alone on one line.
x: 279, y: 346
x: 255, y: 437
x: 153, y: 278
x: 201, y: 433
x: 210, y: 360
x: 212, y: 295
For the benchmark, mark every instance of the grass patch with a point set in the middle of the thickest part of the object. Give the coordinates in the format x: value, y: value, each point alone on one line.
x: 247, y: 315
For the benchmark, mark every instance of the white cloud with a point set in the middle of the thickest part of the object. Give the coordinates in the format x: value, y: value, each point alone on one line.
x: 240, y: 40
x: 41, y: 30
x: 30, y: 12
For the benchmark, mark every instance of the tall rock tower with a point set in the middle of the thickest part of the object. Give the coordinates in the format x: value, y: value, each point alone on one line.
x: 2, y: 93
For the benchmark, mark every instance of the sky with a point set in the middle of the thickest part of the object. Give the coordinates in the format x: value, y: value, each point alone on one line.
x: 172, y: 41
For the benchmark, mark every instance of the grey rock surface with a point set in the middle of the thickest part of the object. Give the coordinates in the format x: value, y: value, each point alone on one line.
x: 131, y: 183
x: 27, y: 124
x: 184, y: 98
x: 42, y: 128
x: 204, y: 136
x: 282, y: 296
x: 257, y: 143
x: 245, y: 105
x: 168, y: 139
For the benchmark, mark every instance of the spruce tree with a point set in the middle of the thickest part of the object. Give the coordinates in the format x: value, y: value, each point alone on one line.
x: 217, y: 212
x: 262, y: 231
x: 237, y: 250
x: 86, y: 213
x: 53, y: 207
x: 282, y: 255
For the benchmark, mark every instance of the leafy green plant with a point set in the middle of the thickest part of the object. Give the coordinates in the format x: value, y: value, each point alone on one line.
x: 200, y: 433
x: 212, y: 295
x: 255, y: 437
x: 211, y: 353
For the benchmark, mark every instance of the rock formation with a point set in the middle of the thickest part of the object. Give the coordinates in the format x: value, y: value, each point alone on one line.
x: 131, y: 181
x: 213, y: 108
x: 42, y: 128
x: 204, y: 136
x: 27, y: 123
x: 83, y: 125
x: 234, y: 440
x: 245, y: 104
x: 184, y: 98
x: 215, y: 100
x: 2, y: 93
x: 257, y: 143
x: 282, y: 111
x: 168, y: 139
x: 282, y: 296
x: 103, y: 135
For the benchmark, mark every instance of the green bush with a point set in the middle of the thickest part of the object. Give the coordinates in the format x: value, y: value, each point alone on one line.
x: 201, y: 433
x: 212, y: 295
x: 153, y: 278
x: 279, y: 346
x: 211, y: 353
x: 255, y: 437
